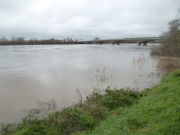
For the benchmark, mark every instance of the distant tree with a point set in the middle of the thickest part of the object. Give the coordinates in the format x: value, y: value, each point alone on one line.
x: 68, y: 40
x: 13, y: 38
x: 96, y: 39
x: 3, y: 39
x: 20, y: 39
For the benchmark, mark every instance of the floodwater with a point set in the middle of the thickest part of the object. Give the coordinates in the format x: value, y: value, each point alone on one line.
x: 29, y: 74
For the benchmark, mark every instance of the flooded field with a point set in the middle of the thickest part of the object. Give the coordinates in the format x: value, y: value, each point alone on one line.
x: 30, y: 74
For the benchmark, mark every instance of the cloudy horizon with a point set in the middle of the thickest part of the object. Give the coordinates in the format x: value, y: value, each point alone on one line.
x: 85, y: 19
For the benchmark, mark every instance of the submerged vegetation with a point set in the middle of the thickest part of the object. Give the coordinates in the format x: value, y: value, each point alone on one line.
x: 112, y: 112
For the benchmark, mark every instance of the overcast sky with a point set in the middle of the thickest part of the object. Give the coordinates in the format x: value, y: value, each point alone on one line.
x: 85, y: 19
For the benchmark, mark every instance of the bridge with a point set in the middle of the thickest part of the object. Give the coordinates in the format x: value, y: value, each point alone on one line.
x: 140, y: 41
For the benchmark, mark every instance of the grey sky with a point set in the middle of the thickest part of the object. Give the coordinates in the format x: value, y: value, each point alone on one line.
x: 86, y: 18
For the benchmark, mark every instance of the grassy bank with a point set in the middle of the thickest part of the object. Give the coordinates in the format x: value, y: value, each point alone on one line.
x: 113, y: 112
x: 158, y: 113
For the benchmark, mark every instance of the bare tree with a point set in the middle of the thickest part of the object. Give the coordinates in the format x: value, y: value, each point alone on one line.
x: 170, y: 43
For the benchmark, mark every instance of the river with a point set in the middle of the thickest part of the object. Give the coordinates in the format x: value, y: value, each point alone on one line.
x: 29, y: 74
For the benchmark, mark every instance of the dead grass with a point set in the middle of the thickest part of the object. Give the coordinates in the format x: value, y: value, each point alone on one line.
x: 168, y: 64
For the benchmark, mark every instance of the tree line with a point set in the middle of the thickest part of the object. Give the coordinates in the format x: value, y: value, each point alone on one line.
x: 23, y: 41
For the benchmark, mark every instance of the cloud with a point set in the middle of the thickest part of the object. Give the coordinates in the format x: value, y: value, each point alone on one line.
x: 86, y: 18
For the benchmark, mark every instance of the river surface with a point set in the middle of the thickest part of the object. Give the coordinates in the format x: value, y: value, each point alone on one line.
x: 29, y: 74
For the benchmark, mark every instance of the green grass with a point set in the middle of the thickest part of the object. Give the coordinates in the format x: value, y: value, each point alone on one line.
x: 157, y: 113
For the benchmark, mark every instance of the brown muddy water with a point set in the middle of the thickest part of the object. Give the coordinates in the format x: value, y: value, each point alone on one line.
x: 29, y: 74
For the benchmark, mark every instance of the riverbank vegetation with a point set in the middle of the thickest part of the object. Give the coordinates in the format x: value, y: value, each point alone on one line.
x: 168, y: 64
x: 157, y: 113
x: 112, y: 112
x: 80, y: 117
x: 170, y: 41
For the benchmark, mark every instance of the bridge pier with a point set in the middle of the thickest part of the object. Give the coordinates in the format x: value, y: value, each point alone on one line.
x: 144, y: 43
x: 116, y: 43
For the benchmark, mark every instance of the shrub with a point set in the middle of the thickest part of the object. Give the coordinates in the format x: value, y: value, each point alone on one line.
x: 136, y: 123
x: 94, y: 98
x: 72, y: 120
x: 98, y: 112
x: 6, y: 129
x: 112, y: 99
x: 119, y: 98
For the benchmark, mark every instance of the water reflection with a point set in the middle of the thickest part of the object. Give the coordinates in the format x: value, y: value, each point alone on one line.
x: 39, y: 73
